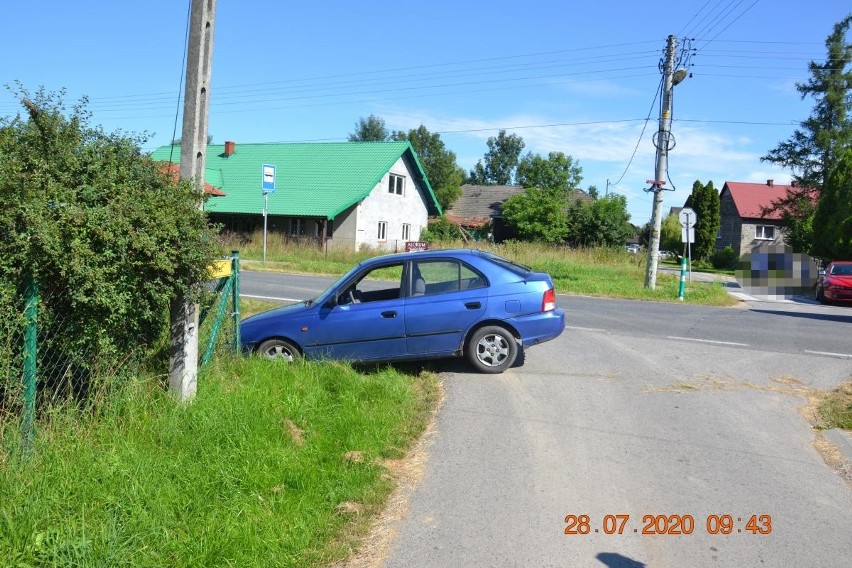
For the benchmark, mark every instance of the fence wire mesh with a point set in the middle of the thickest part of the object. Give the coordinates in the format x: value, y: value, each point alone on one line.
x: 77, y: 367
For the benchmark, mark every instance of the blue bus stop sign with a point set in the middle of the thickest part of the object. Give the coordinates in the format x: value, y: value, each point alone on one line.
x: 268, y: 178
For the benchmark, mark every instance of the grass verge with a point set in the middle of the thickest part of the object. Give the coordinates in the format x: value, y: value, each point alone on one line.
x: 603, y: 272
x: 270, y: 465
x: 835, y: 410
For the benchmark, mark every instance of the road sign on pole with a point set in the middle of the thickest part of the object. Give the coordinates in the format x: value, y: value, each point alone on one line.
x: 687, y: 217
x: 268, y: 178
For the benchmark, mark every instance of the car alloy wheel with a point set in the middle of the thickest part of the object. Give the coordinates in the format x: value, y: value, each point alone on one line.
x: 279, y: 350
x: 492, y: 349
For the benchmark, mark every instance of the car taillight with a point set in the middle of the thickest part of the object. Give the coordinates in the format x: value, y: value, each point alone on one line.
x: 548, y: 302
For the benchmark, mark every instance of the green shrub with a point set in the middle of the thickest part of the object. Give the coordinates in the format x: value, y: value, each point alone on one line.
x: 441, y: 230
x: 725, y: 258
x: 108, y: 237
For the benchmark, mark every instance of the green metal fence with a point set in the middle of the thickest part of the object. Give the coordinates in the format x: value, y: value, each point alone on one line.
x: 37, y: 368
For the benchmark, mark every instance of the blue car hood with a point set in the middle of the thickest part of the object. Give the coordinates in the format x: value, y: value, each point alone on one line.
x: 291, y: 310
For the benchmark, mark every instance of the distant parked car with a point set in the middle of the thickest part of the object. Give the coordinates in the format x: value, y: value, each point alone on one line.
x: 417, y: 305
x: 836, y: 284
x: 633, y: 248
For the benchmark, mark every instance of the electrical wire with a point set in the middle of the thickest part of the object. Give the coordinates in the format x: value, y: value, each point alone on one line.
x: 641, y: 134
x: 180, y: 81
x: 743, y: 13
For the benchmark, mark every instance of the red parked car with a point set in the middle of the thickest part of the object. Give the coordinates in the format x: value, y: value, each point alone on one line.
x: 836, y: 284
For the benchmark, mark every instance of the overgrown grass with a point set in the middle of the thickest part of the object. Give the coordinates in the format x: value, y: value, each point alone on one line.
x: 611, y: 273
x: 836, y: 408
x: 254, y: 472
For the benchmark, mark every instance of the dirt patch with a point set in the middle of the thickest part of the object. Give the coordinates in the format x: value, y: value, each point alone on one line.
x: 406, y: 473
x: 702, y: 383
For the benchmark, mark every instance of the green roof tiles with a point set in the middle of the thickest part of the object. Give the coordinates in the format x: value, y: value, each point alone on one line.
x: 312, y: 179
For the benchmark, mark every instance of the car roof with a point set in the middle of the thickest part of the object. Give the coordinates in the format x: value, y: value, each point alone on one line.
x: 432, y: 253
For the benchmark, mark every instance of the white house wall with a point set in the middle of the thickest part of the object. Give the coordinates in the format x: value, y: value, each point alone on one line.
x: 395, y: 210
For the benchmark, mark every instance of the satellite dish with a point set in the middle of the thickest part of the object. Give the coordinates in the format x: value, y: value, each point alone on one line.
x: 679, y: 76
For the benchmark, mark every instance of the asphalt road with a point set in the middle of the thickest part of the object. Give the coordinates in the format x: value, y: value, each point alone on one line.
x: 637, y: 409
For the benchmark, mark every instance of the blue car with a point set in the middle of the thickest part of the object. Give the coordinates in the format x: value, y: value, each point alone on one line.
x: 417, y: 305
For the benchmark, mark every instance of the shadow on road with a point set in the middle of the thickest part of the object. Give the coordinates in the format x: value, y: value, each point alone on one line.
x: 821, y: 317
x: 615, y: 560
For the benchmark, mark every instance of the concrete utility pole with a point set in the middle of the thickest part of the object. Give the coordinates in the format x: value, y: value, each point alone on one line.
x: 183, y: 359
x: 662, y: 143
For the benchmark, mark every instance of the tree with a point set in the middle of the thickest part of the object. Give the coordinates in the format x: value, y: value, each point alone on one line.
x: 557, y: 172
x: 603, y: 222
x: 593, y: 191
x: 704, y: 200
x: 814, y: 149
x: 108, y: 237
x: 833, y: 216
x: 500, y: 161
x: 370, y: 129
x: 537, y: 215
x: 445, y: 175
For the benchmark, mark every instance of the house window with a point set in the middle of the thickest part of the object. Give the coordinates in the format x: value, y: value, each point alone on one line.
x: 297, y: 228
x: 396, y: 184
x: 764, y: 232
x: 406, y: 231
x: 383, y: 230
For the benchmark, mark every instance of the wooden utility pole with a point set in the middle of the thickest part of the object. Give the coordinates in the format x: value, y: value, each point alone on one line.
x: 662, y: 141
x: 183, y: 359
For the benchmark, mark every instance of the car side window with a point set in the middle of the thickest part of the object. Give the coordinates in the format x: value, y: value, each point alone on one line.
x: 379, y: 284
x: 430, y: 277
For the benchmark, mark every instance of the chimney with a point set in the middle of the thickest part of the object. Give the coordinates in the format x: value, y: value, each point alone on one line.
x: 769, y: 182
x: 793, y: 183
x: 230, y: 147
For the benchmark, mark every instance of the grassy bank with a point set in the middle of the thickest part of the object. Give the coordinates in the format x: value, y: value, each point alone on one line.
x: 271, y: 465
x: 610, y: 273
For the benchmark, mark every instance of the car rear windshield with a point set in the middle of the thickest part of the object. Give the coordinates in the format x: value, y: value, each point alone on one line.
x: 518, y: 269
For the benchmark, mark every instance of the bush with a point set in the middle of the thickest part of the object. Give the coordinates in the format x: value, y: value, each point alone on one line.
x: 109, y: 239
x: 441, y: 230
x: 725, y: 259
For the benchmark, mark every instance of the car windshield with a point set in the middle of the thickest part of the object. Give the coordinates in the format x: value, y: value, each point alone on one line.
x: 842, y: 269
x: 328, y: 291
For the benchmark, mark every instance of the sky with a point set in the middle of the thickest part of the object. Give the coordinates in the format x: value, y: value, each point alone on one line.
x: 579, y: 78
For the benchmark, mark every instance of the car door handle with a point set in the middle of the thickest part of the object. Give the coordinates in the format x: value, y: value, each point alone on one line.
x: 391, y: 314
x: 473, y: 305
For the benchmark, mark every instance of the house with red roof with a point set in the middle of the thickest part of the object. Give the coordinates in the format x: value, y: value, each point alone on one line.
x: 744, y: 225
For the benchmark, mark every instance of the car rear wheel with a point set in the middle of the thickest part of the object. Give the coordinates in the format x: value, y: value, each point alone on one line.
x: 492, y: 349
x: 279, y: 350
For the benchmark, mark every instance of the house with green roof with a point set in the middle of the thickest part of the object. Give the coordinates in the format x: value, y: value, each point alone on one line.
x: 342, y: 194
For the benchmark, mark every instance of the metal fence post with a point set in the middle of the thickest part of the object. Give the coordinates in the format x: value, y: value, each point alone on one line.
x: 235, y: 274
x: 30, y: 351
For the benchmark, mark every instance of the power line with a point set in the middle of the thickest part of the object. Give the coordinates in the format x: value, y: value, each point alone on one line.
x: 732, y: 22
x: 641, y: 134
x: 180, y: 80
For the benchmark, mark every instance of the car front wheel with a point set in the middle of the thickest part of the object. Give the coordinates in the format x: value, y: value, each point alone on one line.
x: 279, y: 349
x: 820, y: 295
x: 492, y: 349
